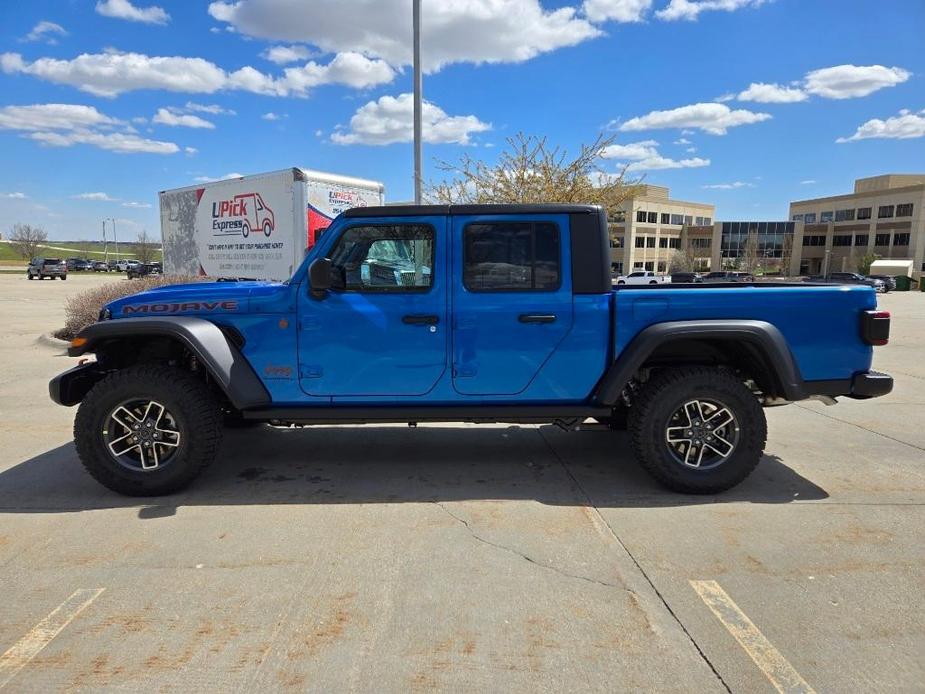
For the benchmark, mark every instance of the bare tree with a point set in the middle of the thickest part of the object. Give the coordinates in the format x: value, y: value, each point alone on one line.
x: 683, y: 260
x: 786, y: 255
x: 145, y: 247
x: 749, y: 257
x: 530, y: 170
x: 26, y: 239
x: 864, y: 262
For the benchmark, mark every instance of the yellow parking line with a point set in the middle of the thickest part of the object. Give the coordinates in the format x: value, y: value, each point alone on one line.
x: 766, y: 657
x: 42, y: 633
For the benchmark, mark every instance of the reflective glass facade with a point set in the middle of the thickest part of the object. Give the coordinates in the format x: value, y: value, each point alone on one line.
x: 768, y: 235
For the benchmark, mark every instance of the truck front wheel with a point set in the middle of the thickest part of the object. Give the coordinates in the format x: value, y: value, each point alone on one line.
x: 697, y: 430
x: 147, y: 430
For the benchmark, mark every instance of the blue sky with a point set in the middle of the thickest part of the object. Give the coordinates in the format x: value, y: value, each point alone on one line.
x: 741, y: 103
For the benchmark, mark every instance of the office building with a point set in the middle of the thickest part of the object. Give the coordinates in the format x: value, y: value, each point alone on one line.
x: 883, y: 217
x: 650, y: 226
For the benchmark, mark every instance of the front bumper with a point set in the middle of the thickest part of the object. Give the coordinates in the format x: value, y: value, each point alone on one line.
x: 70, y: 387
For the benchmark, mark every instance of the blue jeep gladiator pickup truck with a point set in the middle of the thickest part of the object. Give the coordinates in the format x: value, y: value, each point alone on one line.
x: 463, y: 313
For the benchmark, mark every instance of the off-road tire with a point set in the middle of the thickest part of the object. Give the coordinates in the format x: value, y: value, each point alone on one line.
x: 186, y: 397
x: 30, y: 276
x: 669, y: 390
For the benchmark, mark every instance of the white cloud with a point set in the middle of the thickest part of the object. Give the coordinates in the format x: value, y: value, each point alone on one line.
x: 772, y: 94
x: 723, y: 98
x: 214, y: 109
x: 190, y: 151
x: 389, y: 120
x: 124, y: 9
x: 167, y: 117
x: 690, y: 9
x: 45, y: 31
x: 690, y: 150
x: 282, y: 55
x: 633, y: 150
x: 99, y: 197
x: 905, y: 126
x: 712, y: 118
x: 849, y: 81
x: 683, y: 141
x: 729, y: 186
x: 479, y: 31
x: 210, y: 179
x: 616, y: 10
x: 120, y: 143
x: 644, y: 156
x: 137, y: 205
x: 53, y: 117
x: 660, y: 162
x: 272, y: 116
x: 64, y: 125
x: 15, y: 196
x: 112, y: 73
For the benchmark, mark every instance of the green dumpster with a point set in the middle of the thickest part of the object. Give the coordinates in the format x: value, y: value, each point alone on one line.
x: 903, y: 283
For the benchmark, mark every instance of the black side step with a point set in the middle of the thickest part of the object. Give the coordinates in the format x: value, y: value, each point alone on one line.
x: 348, y: 414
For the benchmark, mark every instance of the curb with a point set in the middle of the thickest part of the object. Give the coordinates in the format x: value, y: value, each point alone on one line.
x: 51, y: 341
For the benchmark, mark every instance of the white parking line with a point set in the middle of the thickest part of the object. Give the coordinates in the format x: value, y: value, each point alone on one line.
x: 42, y: 633
x: 766, y: 657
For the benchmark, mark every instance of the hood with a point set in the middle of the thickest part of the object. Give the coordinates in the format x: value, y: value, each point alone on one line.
x: 198, y: 298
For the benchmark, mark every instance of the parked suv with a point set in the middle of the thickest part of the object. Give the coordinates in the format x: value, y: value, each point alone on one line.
x: 143, y: 270
x: 729, y: 277
x: 47, y: 267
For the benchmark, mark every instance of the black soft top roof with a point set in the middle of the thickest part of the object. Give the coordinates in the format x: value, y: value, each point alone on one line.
x: 420, y: 210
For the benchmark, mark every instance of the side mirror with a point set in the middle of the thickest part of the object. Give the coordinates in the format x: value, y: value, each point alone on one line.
x: 319, y: 276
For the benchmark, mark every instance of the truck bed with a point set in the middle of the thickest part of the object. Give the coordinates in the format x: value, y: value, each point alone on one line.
x: 819, y: 322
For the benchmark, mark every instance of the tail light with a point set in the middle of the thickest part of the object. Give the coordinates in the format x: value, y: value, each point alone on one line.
x: 875, y: 327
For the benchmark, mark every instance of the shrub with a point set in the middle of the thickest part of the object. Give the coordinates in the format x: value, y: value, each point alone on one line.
x: 83, y: 309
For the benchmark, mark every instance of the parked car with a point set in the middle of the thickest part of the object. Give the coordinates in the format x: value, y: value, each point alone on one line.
x: 77, y: 264
x: 725, y: 276
x: 686, y: 278
x: 143, y: 270
x: 643, y: 277
x: 124, y: 264
x: 100, y: 266
x: 47, y: 267
x: 528, y: 341
x: 888, y: 280
x: 849, y: 278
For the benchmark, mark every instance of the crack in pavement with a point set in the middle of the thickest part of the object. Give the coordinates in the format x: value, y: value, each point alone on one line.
x: 590, y: 504
x: 530, y: 559
x: 862, y: 428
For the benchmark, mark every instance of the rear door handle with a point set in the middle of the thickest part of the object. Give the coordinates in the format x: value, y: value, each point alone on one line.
x: 537, y: 317
x: 416, y: 319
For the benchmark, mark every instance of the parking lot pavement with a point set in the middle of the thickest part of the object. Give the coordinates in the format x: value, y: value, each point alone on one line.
x: 464, y: 557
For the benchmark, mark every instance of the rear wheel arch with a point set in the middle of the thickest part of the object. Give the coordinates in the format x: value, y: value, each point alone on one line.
x: 756, y: 350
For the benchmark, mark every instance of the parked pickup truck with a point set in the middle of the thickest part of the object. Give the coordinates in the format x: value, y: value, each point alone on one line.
x: 470, y: 313
x: 643, y: 277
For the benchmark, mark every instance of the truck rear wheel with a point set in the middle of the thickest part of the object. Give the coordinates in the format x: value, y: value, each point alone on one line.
x: 147, y: 430
x: 697, y: 430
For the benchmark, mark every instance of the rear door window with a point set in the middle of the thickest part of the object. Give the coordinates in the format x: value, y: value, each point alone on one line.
x: 511, y: 256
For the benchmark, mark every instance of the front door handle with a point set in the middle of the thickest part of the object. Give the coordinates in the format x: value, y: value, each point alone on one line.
x: 416, y: 319
x: 537, y: 318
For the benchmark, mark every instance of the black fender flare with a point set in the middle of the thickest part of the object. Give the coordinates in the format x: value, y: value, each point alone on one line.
x: 204, y: 339
x: 760, y: 335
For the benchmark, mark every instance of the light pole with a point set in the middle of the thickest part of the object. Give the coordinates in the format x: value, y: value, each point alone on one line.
x: 115, y: 239
x: 416, y: 32
x: 105, y: 247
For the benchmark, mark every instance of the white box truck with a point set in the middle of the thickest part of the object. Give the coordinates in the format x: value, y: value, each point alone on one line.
x: 258, y: 226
